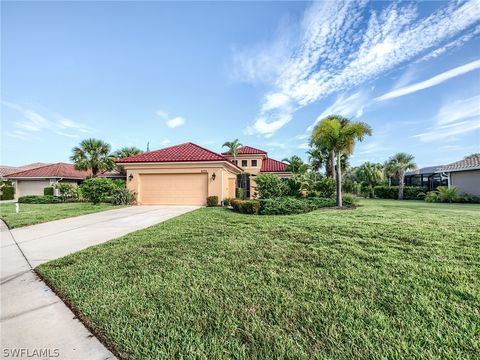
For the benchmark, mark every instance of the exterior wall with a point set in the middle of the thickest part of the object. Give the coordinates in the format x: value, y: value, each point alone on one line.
x: 466, y: 181
x: 218, y: 187
x: 249, y: 168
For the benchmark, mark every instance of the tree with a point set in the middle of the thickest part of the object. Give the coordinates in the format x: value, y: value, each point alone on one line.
x: 399, y: 164
x: 127, y: 151
x: 233, y: 147
x: 370, y: 175
x: 338, y: 134
x: 389, y: 172
x: 296, y: 165
x: 94, y: 155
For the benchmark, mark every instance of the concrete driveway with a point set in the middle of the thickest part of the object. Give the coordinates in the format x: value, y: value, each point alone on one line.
x: 34, y: 322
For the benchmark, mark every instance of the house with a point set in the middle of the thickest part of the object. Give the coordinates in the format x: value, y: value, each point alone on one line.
x: 189, y: 173
x: 7, y: 170
x: 255, y: 161
x: 464, y: 174
x: 33, y: 181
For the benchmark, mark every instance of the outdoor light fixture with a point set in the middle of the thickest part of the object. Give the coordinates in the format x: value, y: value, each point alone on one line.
x: 130, y: 177
x: 214, y: 176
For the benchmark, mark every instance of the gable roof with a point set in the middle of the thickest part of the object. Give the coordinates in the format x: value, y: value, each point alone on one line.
x: 469, y: 163
x: 424, y: 170
x: 271, y: 165
x: 60, y: 170
x: 188, y: 152
x: 247, y: 150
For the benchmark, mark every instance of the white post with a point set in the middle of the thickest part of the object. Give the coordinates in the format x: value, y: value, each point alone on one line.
x: 17, y: 208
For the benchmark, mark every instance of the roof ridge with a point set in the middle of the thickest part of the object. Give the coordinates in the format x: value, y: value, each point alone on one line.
x: 40, y: 167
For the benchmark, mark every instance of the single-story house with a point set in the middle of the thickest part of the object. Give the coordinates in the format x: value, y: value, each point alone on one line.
x: 464, y: 174
x: 188, y: 173
x: 7, y: 170
x: 33, y: 181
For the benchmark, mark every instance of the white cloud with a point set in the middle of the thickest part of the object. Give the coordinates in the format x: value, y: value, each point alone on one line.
x: 340, y: 53
x: 33, y: 122
x: 162, y: 113
x: 454, y: 118
x: 436, y: 80
x: 175, y: 122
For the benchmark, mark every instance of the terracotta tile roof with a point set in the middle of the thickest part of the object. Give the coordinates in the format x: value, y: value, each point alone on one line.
x: 58, y: 170
x: 270, y: 165
x: 7, y: 170
x: 469, y: 163
x: 187, y: 152
x: 247, y: 150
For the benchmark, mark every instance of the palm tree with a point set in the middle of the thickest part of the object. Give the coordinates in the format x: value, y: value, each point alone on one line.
x: 233, y: 147
x: 399, y: 164
x: 296, y: 165
x: 126, y: 152
x: 370, y: 174
x: 389, y: 172
x: 338, y: 134
x: 94, y: 155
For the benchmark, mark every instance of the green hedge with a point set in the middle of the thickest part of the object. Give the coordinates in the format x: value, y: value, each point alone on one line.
x: 288, y: 205
x: 212, y: 201
x: 39, y: 199
x: 48, y: 191
x: 409, y: 192
x: 8, y: 193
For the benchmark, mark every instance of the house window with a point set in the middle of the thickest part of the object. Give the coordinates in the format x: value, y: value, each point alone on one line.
x: 244, y: 163
x: 254, y: 163
x: 235, y: 162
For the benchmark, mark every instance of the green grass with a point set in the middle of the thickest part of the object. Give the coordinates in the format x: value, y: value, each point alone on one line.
x: 388, y: 280
x: 38, y: 213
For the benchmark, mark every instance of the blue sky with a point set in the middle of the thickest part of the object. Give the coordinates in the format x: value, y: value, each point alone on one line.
x: 166, y: 73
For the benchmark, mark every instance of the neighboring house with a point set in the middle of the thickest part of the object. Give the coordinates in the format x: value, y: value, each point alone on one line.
x: 6, y: 170
x: 464, y: 174
x: 255, y: 161
x: 429, y: 177
x: 188, y: 174
x: 33, y: 181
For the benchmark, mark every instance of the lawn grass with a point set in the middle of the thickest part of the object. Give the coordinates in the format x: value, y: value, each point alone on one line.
x: 388, y: 280
x: 31, y: 214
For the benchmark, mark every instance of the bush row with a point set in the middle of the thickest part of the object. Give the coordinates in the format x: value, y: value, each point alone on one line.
x: 287, y: 205
x: 39, y: 199
x: 409, y: 192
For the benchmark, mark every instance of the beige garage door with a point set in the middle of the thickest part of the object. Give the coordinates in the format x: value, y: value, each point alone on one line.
x: 171, y: 189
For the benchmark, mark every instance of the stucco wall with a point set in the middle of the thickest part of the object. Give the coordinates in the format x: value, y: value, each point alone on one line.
x: 30, y: 187
x: 466, y: 181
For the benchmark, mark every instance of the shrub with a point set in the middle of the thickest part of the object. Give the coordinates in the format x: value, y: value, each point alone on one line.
x: 325, y: 187
x: 8, y: 192
x: 246, y: 206
x: 119, y: 183
x: 48, y: 191
x: 239, y: 193
x: 447, y: 194
x: 409, y: 192
x: 432, y: 196
x: 39, y: 199
x: 270, y: 186
x: 467, y: 198
x: 97, y: 190
x: 227, y: 201
x: 294, y: 186
x: 351, y: 186
x: 123, y: 196
x: 349, y: 200
x: 69, y: 192
x: 212, y: 201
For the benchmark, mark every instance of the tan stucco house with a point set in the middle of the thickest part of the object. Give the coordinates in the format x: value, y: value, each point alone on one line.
x: 188, y: 173
x: 464, y: 174
x: 33, y: 181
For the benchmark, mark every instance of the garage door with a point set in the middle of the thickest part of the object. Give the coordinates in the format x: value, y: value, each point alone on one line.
x: 172, y: 189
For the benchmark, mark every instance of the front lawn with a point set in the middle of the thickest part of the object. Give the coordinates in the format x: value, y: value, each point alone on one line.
x: 38, y: 213
x: 388, y: 280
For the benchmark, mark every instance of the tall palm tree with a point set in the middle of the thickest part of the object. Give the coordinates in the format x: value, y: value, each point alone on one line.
x: 126, y: 151
x: 389, y: 172
x: 399, y: 164
x: 233, y: 147
x: 296, y: 165
x: 94, y: 155
x: 338, y: 134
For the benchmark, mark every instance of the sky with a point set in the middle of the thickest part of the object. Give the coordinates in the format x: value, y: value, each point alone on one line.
x: 165, y: 73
